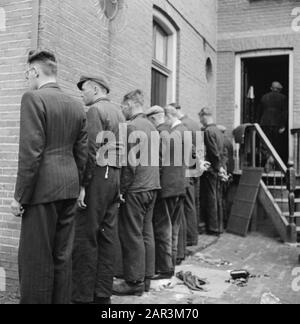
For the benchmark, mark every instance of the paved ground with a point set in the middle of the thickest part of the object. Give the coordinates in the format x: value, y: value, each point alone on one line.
x: 270, y: 262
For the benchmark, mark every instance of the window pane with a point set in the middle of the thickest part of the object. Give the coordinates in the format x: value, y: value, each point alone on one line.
x: 161, y: 43
x: 159, y: 89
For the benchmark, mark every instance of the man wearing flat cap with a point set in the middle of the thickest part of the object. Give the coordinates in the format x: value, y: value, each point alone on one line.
x: 93, y: 256
x: 274, y: 121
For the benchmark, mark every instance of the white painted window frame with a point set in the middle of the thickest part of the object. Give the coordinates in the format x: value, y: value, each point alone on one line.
x: 171, y: 68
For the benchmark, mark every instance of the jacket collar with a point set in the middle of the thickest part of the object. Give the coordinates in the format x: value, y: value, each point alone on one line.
x: 101, y: 99
x: 140, y: 115
x: 52, y: 85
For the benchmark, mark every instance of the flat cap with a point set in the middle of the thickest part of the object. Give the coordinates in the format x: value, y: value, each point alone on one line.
x: 98, y: 79
x: 155, y: 110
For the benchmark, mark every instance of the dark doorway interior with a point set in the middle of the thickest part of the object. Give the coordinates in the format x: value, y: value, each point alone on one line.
x: 257, y: 76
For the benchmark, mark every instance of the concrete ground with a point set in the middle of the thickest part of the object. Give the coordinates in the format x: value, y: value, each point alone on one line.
x: 272, y: 265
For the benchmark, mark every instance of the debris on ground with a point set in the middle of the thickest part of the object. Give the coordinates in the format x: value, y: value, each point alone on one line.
x: 269, y: 299
x: 239, y: 274
x: 241, y: 283
x: 209, y: 260
x: 194, y: 283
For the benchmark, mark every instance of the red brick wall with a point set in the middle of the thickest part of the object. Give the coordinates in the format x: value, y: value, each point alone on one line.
x: 245, y: 25
x: 72, y: 29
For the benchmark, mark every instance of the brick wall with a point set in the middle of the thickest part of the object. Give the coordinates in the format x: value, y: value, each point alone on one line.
x: 248, y: 25
x: 84, y: 44
x: 15, y: 41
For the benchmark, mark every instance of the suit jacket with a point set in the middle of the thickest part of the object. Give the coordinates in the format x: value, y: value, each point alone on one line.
x: 53, y: 147
x: 274, y: 109
x: 104, y: 120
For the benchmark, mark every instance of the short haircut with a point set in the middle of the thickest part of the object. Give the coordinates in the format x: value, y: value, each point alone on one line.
x: 136, y: 96
x: 47, y: 60
x: 171, y: 111
x: 175, y: 105
x: 205, y: 112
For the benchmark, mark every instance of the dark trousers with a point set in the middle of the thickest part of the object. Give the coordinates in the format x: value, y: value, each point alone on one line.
x: 95, y: 239
x: 137, y: 237
x: 168, y: 213
x: 211, y: 202
x: 45, y: 253
x: 181, y: 247
x: 191, y: 215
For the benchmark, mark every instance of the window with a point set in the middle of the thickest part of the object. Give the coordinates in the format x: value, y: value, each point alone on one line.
x: 164, y: 62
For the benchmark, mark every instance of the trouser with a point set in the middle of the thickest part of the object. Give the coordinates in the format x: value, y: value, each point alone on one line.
x: 191, y: 215
x: 168, y: 213
x: 95, y: 239
x: 200, y: 220
x: 45, y: 253
x: 137, y: 237
x: 211, y: 202
x: 181, y: 246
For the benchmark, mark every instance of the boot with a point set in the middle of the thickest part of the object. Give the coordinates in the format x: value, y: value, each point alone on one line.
x: 129, y: 289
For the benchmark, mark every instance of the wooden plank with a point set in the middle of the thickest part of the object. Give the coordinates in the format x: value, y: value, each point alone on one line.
x: 245, y: 201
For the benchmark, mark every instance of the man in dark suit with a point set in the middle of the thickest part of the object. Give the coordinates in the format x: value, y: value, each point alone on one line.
x: 52, y: 158
x: 96, y: 222
x: 274, y: 120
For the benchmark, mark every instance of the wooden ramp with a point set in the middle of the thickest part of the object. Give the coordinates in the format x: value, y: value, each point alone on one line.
x: 245, y: 201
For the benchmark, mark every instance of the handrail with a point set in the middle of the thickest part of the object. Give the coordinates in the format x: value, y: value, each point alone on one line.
x: 296, y: 135
x: 269, y: 147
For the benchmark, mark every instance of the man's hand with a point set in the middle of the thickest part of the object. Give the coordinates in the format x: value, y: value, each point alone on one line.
x: 281, y: 130
x: 81, y: 199
x: 204, y: 166
x: 17, y: 209
x: 122, y: 199
x: 223, y: 175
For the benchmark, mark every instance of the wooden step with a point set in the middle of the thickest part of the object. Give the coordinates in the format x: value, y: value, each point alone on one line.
x: 280, y: 188
x: 285, y: 200
x: 287, y: 214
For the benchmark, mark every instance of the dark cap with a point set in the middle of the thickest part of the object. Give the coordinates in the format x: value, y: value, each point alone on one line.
x: 98, y: 79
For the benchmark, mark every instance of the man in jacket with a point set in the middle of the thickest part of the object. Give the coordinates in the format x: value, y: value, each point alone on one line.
x: 211, y: 189
x: 139, y: 186
x: 96, y: 223
x: 52, y: 158
x: 274, y: 121
x: 169, y: 209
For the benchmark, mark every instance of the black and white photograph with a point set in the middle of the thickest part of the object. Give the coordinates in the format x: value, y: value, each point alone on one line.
x: 149, y: 155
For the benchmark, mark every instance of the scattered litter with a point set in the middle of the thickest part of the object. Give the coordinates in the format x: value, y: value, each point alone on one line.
x: 209, y: 260
x: 269, y: 299
x: 192, y: 282
x: 240, y: 274
x: 241, y: 283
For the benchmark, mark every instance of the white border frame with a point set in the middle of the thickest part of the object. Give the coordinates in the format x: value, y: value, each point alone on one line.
x: 238, y: 85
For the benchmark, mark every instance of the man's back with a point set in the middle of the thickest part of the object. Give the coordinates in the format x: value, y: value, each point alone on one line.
x: 274, y: 107
x: 53, y: 146
x: 142, y: 177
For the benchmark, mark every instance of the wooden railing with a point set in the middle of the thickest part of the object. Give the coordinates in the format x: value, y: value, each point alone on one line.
x: 296, y: 138
x: 256, y: 151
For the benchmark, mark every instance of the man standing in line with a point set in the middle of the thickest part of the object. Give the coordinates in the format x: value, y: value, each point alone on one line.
x: 96, y: 223
x: 211, y: 194
x: 169, y: 208
x: 52, y: 158
x: 139, y: 185
x: 192, y: 200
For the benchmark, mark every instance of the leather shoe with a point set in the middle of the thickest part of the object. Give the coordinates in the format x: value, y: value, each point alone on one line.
x: 163, y: 276
x: 129, y: 289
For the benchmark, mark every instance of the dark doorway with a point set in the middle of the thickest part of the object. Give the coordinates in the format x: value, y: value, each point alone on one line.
x: 258, y: 73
